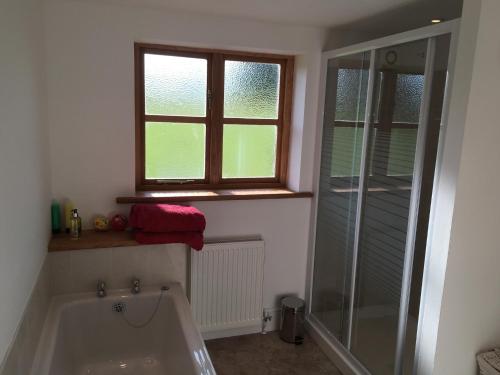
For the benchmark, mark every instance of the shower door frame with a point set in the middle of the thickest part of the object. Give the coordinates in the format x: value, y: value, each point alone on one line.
x: 336, y: 350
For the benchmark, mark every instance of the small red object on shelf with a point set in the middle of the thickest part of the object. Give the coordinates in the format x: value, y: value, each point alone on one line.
x: 118, y: 222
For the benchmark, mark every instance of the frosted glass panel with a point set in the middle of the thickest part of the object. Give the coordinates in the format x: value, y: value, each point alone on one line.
x: 251, y: 90
x: 249, y: 151
x: 175, y: 151
x: 408, y: 95
x: 351, y: 92
x: 175, y: 85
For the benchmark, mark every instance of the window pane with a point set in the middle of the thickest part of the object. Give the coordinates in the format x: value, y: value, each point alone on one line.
x: 251, y: 90
x: 249, y: 151
x: 351, y: 95
x: 175, y: 151
x: 175, y: 85
x: 409, y: 91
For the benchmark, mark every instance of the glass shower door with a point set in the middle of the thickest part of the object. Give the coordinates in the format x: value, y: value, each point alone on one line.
x: 344, y: 116
x: 381, y: 129
x: 386, y: 207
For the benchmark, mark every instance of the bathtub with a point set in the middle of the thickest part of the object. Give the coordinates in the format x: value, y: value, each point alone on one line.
x: 84, y: 334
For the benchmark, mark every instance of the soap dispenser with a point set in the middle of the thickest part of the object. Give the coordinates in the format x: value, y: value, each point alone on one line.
x: 76, y: 225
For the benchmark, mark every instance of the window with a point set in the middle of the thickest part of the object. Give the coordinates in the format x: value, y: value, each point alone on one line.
x: 211, y: 119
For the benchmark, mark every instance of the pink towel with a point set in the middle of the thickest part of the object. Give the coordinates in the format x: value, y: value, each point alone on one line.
x: 160, y: 218
x: 193, y: 239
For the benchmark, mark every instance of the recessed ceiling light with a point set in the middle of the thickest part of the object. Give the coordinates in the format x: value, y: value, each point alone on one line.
x: 437, y: 20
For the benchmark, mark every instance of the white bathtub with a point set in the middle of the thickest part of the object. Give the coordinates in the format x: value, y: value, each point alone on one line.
x: 82, y: 335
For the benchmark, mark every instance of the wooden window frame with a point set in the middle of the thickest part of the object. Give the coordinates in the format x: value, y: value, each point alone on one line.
x: 214, y: 119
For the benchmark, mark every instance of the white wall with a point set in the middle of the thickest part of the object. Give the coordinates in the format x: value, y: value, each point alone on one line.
x: 91, y: 116
x: 24, y: 175
x: 470, y: 309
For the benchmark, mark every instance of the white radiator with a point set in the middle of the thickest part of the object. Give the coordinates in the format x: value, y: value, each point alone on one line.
x: 226, y: 288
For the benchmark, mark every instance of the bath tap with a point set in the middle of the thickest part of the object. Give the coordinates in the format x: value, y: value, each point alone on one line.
x: 101, y: 289
x: 136, y: 286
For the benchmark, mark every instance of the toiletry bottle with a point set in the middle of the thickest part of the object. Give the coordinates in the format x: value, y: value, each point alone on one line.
x: 76, y: 225
x: 68, y: 214
x: 55, y: 211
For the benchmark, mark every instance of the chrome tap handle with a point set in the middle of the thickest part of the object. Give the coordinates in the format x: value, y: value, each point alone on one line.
x: 136, y: 286
x: 101, y: 289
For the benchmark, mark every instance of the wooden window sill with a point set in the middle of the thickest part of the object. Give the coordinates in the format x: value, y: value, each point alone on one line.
x: 210, y: 195
x: 91, y: 239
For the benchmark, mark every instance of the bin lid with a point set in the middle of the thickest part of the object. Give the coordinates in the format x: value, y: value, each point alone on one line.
x: 292, y: 303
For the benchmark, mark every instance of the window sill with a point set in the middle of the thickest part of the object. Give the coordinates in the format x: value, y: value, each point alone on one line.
x: 210, y: 195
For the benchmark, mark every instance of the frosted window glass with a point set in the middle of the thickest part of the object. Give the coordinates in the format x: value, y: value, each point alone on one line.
x: 175, y: 151
x: 409, y: 90
x: 351, y: 95
x: 175, y: 85
x: 251, y: 90
x: 249, y: 151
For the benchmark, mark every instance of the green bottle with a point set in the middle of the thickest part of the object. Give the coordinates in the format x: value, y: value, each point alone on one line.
x: 55, y: 211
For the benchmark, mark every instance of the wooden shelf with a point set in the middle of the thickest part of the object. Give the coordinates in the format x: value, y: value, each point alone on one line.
x: 210, y: 195
x: 91, y: 239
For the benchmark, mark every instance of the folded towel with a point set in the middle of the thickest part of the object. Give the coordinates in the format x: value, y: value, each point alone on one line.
x: 193, y: 239
x: 166, y: 218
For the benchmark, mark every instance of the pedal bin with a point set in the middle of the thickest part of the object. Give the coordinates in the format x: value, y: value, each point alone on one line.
x: 292, y: 320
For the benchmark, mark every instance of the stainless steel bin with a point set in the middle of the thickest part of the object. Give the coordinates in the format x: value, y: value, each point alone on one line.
x: 292, y: 320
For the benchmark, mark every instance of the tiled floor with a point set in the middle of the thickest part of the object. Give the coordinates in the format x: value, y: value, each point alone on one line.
x: 268, y: 355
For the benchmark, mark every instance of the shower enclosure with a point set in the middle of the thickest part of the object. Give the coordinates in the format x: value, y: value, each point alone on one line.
x: 381, y: 126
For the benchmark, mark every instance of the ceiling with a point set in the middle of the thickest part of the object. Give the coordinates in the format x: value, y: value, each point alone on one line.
x: 320, y: 13
x: 375, y: 16
x: 410, y: 16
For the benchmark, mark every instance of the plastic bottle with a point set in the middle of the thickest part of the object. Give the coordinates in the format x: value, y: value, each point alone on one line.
x: 68, y: 214
x: 55, y: 211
